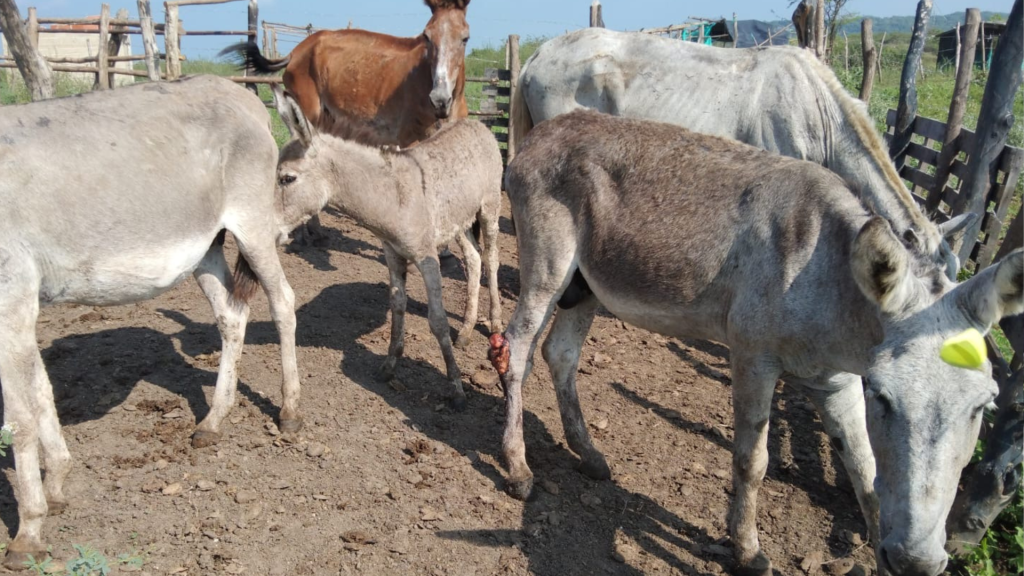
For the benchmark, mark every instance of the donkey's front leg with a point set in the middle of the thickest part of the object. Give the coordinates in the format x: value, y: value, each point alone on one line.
x: 840, y: 401
x: 397, y: 269
x: 430, y: 269
x: 753, y: 383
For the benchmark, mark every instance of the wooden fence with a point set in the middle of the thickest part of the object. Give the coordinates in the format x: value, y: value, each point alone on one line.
x: 926, y: 148
x: 110, y: 29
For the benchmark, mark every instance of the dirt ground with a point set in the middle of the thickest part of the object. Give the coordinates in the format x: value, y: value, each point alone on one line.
x: 390, y: 481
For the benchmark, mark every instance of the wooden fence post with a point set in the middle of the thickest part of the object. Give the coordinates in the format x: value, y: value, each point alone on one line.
x: 994, y: 123
x: 273, y: 42
x: 950, y: 145
x: 513, y: 59
x: 596, y: 21
x: 867, y: 41
x: 846, y: 52
x: 102, y: 56
x: 171, y: 47
x: 735, y: 30
x: 881, y: 56
x: 906, y: 110
x: 819, y: 30
x: 149, y: 41
x: 801, y: 22
x: 254, y: 18
x: 984, y: 59
x: 34, y: 68
x: 115, y: 43
x: 33, y: 26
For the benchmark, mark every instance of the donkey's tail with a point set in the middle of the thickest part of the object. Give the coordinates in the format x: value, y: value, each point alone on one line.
x: 522, y: 121
x: 244, y: 282
x: 247, y: 55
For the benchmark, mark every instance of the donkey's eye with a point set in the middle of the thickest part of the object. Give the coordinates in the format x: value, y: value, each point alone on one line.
x: 465, y: 40
x: 286, y: 179
x: 885, y: 402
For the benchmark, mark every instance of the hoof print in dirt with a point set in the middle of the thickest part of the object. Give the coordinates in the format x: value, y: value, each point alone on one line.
x: 203, y: 439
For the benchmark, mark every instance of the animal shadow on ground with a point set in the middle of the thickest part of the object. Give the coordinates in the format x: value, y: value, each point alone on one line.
x: 578, y: 541
x: 93, y: 373
x: 795, y: 456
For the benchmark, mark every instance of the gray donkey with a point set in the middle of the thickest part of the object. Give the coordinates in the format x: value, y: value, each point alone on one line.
x: 414, y: 200
x: 76, y: 230
x: 691, y: 235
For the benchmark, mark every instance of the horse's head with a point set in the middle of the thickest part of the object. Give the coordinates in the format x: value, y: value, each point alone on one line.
x: 923, y: 414
x: 446, y: 36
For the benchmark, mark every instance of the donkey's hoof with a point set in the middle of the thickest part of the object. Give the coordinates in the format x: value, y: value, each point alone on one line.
x: 462, y: 341
x: 204, y: 438
x: 56, y: 507
x: 458, y: 402
x: 595, y: 469
x: 290, y: 425
x: 17, y: 560
x: 759, y: 565
x: 520, y: 489
x: 386, y: 372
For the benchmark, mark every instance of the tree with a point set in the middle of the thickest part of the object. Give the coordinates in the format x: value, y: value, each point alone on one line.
x: 34, y: 69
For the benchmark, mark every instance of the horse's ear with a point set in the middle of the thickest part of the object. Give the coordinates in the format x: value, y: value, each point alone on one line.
x: 881, y: 265
x: 954, y: 228
x: 434, y: 5
x: 292, y: 116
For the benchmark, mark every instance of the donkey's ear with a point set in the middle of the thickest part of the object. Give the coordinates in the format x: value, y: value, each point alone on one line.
x: 881, y: 265
x: 997, y: 292
x: 292, y: 116
x: 955, y: 227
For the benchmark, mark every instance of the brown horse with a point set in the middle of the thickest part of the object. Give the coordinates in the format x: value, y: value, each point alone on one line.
x: 373, y: 88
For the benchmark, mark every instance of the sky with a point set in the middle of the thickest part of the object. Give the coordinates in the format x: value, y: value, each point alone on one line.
x: 490, y: 21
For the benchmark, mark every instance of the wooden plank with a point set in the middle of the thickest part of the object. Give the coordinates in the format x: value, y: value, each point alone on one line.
x: 918, y: 178
x: 925, y: 154
x: 499, y: 91
x: 254, y: 20
x: 488, y: 106
x: 495, y: 121
x: 514, y: 69
x: 869, y: 55
x: 907, y: 107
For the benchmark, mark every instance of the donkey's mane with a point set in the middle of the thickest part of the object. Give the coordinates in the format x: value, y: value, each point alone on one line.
x: 856, y: 114
x: 454, y: 4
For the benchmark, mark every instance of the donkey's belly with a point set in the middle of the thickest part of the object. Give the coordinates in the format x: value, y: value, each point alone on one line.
x: 139, y: 274
x: 658, y: 312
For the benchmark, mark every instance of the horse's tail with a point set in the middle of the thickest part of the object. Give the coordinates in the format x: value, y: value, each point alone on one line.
x: 248, y: 56
x: 522, y: 121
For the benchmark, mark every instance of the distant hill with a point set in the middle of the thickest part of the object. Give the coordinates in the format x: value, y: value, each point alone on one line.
x: 893, y: 24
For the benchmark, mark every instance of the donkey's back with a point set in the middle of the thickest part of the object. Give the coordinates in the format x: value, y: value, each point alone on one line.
x: 97, y: 185
x: 609, y: 189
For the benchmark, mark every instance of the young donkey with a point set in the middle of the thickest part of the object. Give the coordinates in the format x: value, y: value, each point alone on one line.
x: 775, y: 258
x: 202, y: 162
x: 414, y: 201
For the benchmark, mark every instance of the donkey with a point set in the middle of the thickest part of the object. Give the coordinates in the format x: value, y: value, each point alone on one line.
x: 374, y: 88
x: 413, y: 200
x: 781, y: 99
x: 695, y: 236
x: 202, y: 162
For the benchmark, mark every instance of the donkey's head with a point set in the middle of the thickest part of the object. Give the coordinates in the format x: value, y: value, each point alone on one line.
x: 923, y: 414
x: 304, y: 178
x: 446, y: 36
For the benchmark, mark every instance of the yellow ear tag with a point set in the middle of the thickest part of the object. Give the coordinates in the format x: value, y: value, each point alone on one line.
x: 965, y: 350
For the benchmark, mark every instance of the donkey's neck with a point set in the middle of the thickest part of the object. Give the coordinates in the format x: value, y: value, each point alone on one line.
x: 367, y: 183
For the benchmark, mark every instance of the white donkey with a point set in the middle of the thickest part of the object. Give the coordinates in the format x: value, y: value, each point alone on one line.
x: 695, y: 236
x: 80, y: 227
x: 781, y: 99
x: 414, y: 200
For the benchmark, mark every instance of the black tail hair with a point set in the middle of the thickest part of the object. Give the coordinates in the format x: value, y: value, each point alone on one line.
x: 247, y: 55
x: 244, y: 282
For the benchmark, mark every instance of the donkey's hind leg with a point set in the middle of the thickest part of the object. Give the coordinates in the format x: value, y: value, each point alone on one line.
x: 488, y: 218
x: 213, y: 276
x: 430, y: 269
x: 472, y: 258
x: 398, y: 270
x: 260, y: 254
x: 562, y: 353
